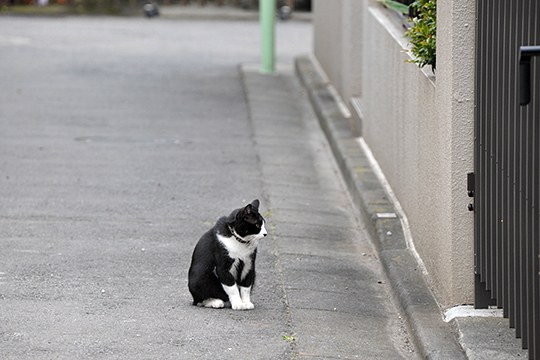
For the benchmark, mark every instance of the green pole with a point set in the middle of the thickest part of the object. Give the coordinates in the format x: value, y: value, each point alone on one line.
x: 267, y: 13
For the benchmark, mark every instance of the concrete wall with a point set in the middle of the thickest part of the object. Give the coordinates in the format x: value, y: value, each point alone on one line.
x: 419, y: 128
x: 455, y: 109
x: 338, y: 30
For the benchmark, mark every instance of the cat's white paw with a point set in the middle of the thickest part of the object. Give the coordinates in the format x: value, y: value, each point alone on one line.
x: 213, y: 303
x: 238, y: 305
x: 243, y: 306
x: 249, y: 305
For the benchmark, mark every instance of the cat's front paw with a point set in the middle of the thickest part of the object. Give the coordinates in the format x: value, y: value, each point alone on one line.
x: 238, y: 306
x: 242, y: 306
x: 249, y: 305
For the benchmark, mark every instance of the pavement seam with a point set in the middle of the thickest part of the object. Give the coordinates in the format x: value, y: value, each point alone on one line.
x: 289, y: 334
x: 434, y: 338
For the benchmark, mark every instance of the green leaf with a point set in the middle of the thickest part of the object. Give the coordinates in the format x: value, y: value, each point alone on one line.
x: 423, y: 33
x: 397, y: 6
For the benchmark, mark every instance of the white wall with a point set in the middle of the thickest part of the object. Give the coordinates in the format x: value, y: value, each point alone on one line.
x: 338, y: 30
x: 419, y: 131
x: 327, y: 37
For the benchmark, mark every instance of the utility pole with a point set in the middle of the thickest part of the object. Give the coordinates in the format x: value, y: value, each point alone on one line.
x: 267, y: 13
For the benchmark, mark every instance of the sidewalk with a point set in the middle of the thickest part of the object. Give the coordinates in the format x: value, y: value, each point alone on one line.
x: 336, y: 294
x: 479, y: 337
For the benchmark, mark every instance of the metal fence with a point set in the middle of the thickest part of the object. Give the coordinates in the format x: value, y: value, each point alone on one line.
x: 505, y: 185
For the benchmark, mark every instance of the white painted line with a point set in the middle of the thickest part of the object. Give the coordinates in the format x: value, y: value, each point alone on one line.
x: 386, y: 215
x: 393, y: 199
x: 470, y: 311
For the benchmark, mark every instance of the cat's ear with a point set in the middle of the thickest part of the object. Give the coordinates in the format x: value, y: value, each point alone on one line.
x: 255, y: 204
x: 248, y: 210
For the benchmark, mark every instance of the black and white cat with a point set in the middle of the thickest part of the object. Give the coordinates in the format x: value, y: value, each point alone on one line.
x: 223, y: 262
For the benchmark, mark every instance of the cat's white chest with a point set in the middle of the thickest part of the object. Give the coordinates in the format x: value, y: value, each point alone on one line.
x: 236, y: 249
x: 239, y: 252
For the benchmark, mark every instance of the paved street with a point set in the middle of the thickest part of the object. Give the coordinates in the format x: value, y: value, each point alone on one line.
x: 122, y: 140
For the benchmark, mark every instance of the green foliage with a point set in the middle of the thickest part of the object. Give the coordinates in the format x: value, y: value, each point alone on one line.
x: 397, y: 6
x: 69, y: 7
x: 110, y: 7
x: 423, y: 33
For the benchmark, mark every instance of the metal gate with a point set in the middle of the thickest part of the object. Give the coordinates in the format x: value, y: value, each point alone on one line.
x: 505, y: 184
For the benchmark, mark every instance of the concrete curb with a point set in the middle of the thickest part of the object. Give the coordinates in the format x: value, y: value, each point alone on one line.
x: 434, y: 338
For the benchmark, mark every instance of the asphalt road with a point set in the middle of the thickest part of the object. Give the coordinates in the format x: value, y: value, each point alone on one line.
x: 122, y: 140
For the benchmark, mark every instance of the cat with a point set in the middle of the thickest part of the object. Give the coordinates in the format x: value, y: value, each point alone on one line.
x: 223, y: 262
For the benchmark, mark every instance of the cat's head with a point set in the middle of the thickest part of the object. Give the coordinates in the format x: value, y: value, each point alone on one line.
x: 248, y: 224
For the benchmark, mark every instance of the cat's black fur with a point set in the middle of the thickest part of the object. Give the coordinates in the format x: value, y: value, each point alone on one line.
x: 223, y: 262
